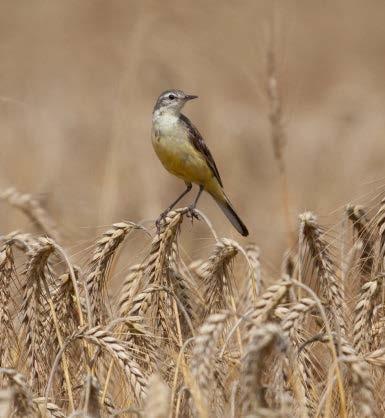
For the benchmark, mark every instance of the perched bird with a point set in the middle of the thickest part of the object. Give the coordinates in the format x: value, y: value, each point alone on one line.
x: 183, y: 152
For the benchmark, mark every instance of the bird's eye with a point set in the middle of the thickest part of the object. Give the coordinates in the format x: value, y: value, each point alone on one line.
x: 171, y: 97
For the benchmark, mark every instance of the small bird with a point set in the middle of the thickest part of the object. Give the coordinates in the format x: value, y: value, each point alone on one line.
x: 183, y: 152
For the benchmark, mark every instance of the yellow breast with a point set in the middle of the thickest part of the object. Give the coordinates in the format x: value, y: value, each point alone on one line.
x: 180, y: 157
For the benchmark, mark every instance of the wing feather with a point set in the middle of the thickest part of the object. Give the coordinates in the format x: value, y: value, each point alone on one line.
x: 198, y: 142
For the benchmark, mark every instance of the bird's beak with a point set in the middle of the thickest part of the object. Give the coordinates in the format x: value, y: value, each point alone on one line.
x: 190, y: 97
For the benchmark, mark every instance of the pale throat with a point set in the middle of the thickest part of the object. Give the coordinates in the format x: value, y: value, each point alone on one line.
x: 165, y: 120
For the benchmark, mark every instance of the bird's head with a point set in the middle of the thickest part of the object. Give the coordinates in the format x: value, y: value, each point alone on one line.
x: 172, y: 101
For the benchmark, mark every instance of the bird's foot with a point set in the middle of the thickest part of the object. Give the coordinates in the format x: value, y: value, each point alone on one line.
x: 192, y: 213
x: 160, y: 220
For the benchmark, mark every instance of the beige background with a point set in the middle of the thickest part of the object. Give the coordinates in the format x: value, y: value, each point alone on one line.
x: 78, y: 80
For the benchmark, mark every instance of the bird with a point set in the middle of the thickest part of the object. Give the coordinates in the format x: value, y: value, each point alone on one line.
x: 183, y: 152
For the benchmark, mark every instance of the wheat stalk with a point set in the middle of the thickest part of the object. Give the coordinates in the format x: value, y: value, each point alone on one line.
x: 362, y: 314
x: 51, y: 409
x: 295, y: 315
x: 105, y: 340
x: 98, y: 267
x: 254, y: 358
x: 33, y: 210
x: 33, y: 306
x: 380, y: 220
x: 22, y: 395
x: 158, y: 400
x: 362, y: 388
x: 358, y: 217
x: 329, y: 282
x: 267, y: 302
x: 130, y: 288
x: 217, y: 278
x: 163, y: 316
x: 7, y: 274
x: 261, y: 341
x: 254, y: 284
x: 203, y: 356
x: 91, y: 399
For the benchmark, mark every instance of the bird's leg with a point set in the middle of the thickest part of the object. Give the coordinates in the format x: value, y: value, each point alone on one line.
x: 192, y: 207
x: 165, y: 212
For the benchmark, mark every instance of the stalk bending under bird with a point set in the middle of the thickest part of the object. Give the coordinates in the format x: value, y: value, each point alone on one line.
x: 183, y: 152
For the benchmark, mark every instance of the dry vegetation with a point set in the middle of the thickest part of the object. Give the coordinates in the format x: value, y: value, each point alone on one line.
x: 125, y: 320
x: 217, y: 337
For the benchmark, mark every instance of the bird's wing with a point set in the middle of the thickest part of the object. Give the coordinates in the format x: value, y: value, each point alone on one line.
x: 198, y: 142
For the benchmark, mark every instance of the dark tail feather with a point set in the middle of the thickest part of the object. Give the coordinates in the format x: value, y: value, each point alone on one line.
x: 231, y: 215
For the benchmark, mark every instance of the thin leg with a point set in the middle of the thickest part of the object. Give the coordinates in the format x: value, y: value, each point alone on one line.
x: 164, y: 213
x: 189, y: 187
x: 192, y: 207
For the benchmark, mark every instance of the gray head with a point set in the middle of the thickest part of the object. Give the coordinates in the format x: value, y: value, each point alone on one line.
x: 172, y: 101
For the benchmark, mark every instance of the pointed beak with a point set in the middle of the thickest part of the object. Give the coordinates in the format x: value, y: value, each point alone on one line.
x: 190, y: 97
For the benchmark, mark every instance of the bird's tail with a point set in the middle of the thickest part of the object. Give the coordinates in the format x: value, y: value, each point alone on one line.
x: 224, y: 203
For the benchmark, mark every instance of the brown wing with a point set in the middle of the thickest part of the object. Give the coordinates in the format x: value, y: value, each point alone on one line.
x: 198, y: 142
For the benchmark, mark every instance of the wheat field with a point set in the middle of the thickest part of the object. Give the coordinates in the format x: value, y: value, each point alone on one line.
x: 215, y: 337
x: 104, y: 315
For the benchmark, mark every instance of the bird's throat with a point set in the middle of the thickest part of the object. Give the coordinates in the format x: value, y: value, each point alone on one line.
x: 165, y: 121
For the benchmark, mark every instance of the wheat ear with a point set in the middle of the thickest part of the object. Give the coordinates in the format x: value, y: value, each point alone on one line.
x: 7, y: 275
x: 261, y: 341
x: 318, y: 249
x: 22, y: 404
x: 203, y: 357
x: 358, y: 217
x: 218, y: 282
x: 104, y: 339
x: 98, y: 267
x: 158, y: 400
x: 363, y: 312
x: 32, y: 208
x: 33, y: 306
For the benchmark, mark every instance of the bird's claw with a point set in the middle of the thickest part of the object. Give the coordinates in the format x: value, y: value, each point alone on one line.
x: 160, y: 220
x: 192, y: 213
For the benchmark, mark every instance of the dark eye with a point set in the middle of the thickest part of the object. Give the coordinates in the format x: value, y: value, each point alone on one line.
x: 171, y: 97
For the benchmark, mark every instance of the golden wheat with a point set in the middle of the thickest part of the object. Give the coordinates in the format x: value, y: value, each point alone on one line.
x: 215, y: 337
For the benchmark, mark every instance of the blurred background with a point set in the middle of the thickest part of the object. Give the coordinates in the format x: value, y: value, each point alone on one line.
x: 78, y: 81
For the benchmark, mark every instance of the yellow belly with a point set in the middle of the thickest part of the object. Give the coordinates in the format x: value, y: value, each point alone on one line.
x: 180, y: 158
